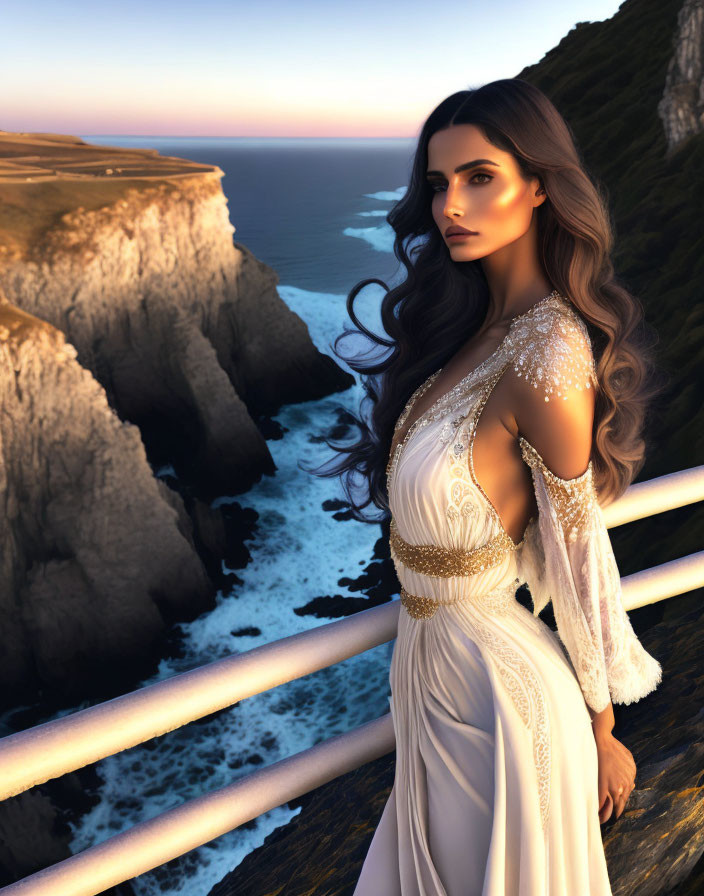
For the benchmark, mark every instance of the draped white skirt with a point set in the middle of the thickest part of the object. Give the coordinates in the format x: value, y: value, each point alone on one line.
x: 495, y: 790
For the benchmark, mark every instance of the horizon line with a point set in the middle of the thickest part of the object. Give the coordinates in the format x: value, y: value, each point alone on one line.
x: 251, y: 136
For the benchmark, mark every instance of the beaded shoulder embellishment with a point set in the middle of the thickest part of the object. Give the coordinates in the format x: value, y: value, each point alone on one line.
x: 549, y: 345
x: 552, y: 350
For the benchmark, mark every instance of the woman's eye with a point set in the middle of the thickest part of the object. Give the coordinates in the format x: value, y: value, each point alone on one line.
x: 437, y: 187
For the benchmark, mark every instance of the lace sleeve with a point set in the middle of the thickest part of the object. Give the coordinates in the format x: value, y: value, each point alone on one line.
x: 568, y: 557
x: 582, y: 580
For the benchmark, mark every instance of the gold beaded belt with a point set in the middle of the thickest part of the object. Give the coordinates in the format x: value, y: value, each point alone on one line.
x: 498, y: 601
x: 433, y: 560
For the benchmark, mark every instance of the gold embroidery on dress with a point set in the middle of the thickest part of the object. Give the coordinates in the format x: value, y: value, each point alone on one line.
x: 525, y: 690
x: 517, y: 676
x: 573, y: 499
x: 418, y: 606
x: 461, y: 500
x: 395, y: 454
x: 498, y: 602
x: 434, y: 560
x: 484, y: 394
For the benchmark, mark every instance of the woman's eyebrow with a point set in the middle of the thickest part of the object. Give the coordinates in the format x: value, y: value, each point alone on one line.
x: 463, y: 167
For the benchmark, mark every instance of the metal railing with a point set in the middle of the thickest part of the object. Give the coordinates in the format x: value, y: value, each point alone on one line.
x: 74, y: 741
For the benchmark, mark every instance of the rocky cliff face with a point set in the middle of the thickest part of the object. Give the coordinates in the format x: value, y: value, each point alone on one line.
x: 95, y: 553
x: 682, y: 105
x: 130, y: 254
x: 123, y: 301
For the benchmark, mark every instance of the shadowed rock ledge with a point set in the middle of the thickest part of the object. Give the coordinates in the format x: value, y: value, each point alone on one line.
x: 681, y: 108
x: 96, y: 554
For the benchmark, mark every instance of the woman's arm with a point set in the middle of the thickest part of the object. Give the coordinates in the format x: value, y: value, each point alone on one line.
x: 553, y: 407
x: 602, y: 722
x: 617, y: 767
x: 580, y: 573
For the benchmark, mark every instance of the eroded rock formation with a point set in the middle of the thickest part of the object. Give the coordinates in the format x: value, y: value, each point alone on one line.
x: 96, y: 555
x: 682, y: 105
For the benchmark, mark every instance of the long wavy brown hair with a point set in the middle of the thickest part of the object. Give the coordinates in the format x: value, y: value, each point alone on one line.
x: 442, y: 303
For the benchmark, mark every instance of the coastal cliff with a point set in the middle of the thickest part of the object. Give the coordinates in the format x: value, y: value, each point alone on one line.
x: 130, y: 254
x: 96, y: 554
x: 133, y: 333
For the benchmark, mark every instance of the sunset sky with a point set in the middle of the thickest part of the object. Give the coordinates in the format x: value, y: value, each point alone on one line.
x: 270, y: 68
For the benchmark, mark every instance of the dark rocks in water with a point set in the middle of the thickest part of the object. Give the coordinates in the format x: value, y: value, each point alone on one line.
x: 34, y: 836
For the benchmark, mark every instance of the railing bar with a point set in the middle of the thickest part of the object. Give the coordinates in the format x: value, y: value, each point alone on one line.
x: 61, y: 745
x: 151, y: 843
x: 71, y: 742
x: 658, y: 495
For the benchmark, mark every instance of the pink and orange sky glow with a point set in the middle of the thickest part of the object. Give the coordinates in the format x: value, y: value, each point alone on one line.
x: 307, y: 69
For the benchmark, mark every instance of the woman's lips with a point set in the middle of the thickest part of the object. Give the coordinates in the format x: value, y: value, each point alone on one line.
x: 461, y: 236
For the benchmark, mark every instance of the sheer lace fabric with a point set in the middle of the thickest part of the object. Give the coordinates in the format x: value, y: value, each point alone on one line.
x: 583, y: 582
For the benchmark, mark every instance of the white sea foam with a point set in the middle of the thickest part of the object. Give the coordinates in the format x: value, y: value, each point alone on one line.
x: 388, y: 195
x: 379, y: 238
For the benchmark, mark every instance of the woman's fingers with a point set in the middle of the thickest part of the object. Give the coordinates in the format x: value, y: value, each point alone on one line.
x: 614, y: 803
x: 606, y: 809
x: 617, y: 772
x: 627, y: 768
x: 621, y: 796
x: 620, y: 803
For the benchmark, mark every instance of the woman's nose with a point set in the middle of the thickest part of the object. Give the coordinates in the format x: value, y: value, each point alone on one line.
x: 452, y: 205
x: 452, y: 208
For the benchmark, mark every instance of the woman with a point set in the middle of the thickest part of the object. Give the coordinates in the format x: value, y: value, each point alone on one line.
x: 528, y: 384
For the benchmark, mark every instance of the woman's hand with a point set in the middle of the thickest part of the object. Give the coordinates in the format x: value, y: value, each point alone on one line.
x: 617, y: 773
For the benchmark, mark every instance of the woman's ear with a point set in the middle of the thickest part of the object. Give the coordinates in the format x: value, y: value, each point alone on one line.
x: 540, y: 194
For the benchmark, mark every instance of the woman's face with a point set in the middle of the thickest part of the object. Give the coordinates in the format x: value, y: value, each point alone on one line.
x: 490, y: 197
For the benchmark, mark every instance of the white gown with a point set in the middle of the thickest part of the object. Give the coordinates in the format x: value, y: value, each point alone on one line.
x: 495, y: 789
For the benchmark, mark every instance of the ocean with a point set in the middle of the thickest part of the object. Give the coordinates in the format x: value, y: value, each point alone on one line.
x: 314, y: 210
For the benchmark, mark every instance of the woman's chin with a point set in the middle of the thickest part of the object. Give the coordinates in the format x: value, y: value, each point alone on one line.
x: 463, y: 253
